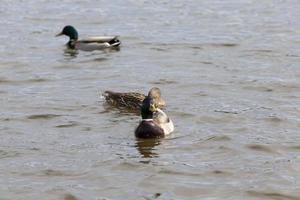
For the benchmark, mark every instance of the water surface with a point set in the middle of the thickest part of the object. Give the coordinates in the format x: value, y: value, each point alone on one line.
x: 227, y: 69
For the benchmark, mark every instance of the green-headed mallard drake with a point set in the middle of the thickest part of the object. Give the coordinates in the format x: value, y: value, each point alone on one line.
x: 155, y: 123
x: 88, y: 44
x: 133, y: 100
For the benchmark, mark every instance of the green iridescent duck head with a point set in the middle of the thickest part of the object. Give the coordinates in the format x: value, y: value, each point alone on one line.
x: 148, y: 108
x: 69, y: 31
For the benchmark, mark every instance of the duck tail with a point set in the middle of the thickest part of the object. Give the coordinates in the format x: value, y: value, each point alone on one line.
x: 115, y: 42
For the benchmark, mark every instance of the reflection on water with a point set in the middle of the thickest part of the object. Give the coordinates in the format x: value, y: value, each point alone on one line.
x: 272, y: 195
x: 146, y: 147
x: 72, y: 53
x: 70, y: 197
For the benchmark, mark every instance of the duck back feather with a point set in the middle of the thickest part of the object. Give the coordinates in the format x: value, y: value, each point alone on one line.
x: 130, y: 100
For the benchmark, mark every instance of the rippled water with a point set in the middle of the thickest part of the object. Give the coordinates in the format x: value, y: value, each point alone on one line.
x: 229, y: 71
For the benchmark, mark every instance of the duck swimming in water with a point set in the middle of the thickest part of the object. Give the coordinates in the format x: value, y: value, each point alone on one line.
x: 88, y: 44
x: 133, y: 100
x: 155, y: 123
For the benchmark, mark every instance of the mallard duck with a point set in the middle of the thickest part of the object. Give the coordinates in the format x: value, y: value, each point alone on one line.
x: 88, y: 44
x: 133, y: 100
x: 155, y: 123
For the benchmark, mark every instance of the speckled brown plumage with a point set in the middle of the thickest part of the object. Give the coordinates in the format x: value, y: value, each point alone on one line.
x: 132, y: 100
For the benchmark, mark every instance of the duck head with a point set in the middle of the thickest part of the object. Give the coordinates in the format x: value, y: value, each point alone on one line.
x: 148, y: 108
x: 154, y: 92
x: 155, y: 95
x: 69, y: 31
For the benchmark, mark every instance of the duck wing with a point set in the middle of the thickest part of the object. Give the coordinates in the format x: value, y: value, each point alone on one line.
x: 109, y: 41
x: 130, y: 100
x: 167, y: 127
x: 91, y: 46
x: 162, y: 119
x: 99, y: 39
x: 97, y: 43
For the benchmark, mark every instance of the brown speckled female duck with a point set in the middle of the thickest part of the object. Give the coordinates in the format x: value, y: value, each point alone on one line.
x: 133, y: 100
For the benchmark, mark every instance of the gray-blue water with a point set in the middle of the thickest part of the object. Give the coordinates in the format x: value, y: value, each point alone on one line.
x: 228, y: 70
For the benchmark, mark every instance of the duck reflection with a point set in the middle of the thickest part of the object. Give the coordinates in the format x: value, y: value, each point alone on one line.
x: 146, y: 147
x: 74, y: 52
x: 70, y: 53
